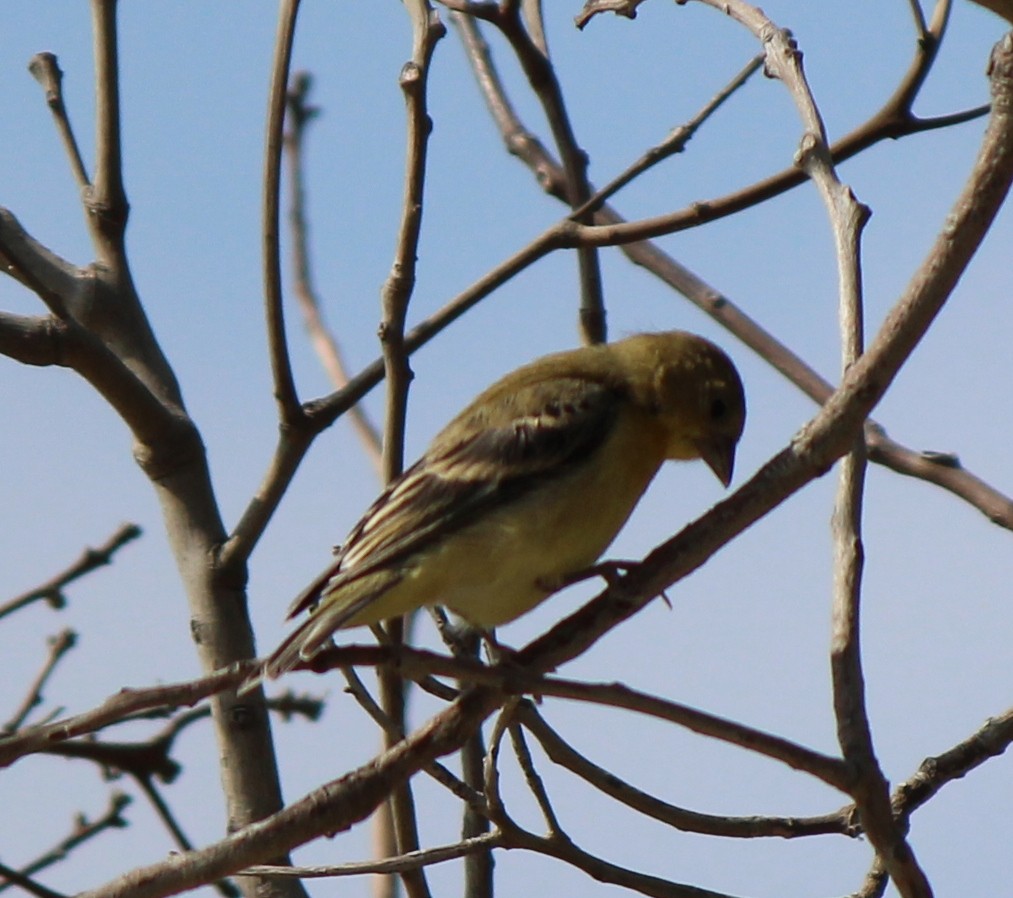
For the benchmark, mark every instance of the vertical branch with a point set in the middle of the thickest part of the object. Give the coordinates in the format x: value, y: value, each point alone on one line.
x: 400, y: 814
x: 574, y: 159
x: 871, y: 790
x: 532, y: 53
x: 383, y: 885
x: 107, y: 199
x: 478, y: 866
x: 427, y: 29
x: 285, y: 394
x: 466, y: 643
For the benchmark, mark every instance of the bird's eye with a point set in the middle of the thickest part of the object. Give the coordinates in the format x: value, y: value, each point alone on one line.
x: 719, y: 408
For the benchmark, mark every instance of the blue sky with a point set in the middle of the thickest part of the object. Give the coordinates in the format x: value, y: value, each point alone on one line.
x: 747, y: 636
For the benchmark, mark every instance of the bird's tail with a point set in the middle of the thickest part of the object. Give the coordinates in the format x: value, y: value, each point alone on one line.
x: 313, y: 634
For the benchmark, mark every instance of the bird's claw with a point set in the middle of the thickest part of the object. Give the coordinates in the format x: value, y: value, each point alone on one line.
x: 610, y: 571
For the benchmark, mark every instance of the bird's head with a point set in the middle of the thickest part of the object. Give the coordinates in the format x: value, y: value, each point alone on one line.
x: 694, y: 391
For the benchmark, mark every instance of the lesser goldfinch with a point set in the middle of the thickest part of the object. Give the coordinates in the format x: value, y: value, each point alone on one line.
x: 526, y: 486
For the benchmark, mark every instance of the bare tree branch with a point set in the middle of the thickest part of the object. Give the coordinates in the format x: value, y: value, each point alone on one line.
x: 30, y: 339
x: 478, y: 867
x: 990, y: 741
x: 117, y: 708
x: 831, y: 771
x: 46, y: 70
x: 529, y: 46
x: 83, y: 831
x: 677, y: 139
x: 43, y: 272
x: 91, y: 559
x: 427, y: 30
x: 559, y: 751
x: 414, y: 860
x: 29, y: 885
x: 59, y: 645
x: 921, y: 29
x: 563, y: 849
x: 536, y: 784
x: 106, y: 197
x: 869, y: 787
x: 289, y: 409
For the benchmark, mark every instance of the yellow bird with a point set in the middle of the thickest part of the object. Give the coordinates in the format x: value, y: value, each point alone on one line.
x: 527, y: 486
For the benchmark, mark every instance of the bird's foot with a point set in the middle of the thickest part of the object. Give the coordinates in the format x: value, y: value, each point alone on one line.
x: 610, y: 571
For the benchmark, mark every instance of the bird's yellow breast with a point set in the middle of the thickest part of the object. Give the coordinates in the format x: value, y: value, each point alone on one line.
x: 505, y: 563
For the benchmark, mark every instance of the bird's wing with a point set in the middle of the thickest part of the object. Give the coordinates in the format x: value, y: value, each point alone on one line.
x: 471, y: 468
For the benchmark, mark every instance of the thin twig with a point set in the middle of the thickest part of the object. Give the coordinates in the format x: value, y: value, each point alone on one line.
x: 490, y: 774
x: 289, y: 409
x: 59, y: 645
x: 990, y: 741
x: 462, y: 789
x: 32, y: 887
x: 404, y: 832
x: 413, y: 860
x: 293, y: 443
x: 119, y: 707
x: 919, y: 17
x: 533, y: 54
x: 397, y: 289
x: 164, y: 812
x: 676, y: 141
x: 562, y: 753
x: 563, y: 849
x: 531, y: 776
x: 537, y: 66
x: 45, y: 69
x: 83, y: 831
x: 831, y: 771
x: 52, y: 590
x: 357, y: 689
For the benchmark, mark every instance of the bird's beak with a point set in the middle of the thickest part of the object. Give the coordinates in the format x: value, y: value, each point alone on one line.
x: 719, y: 453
